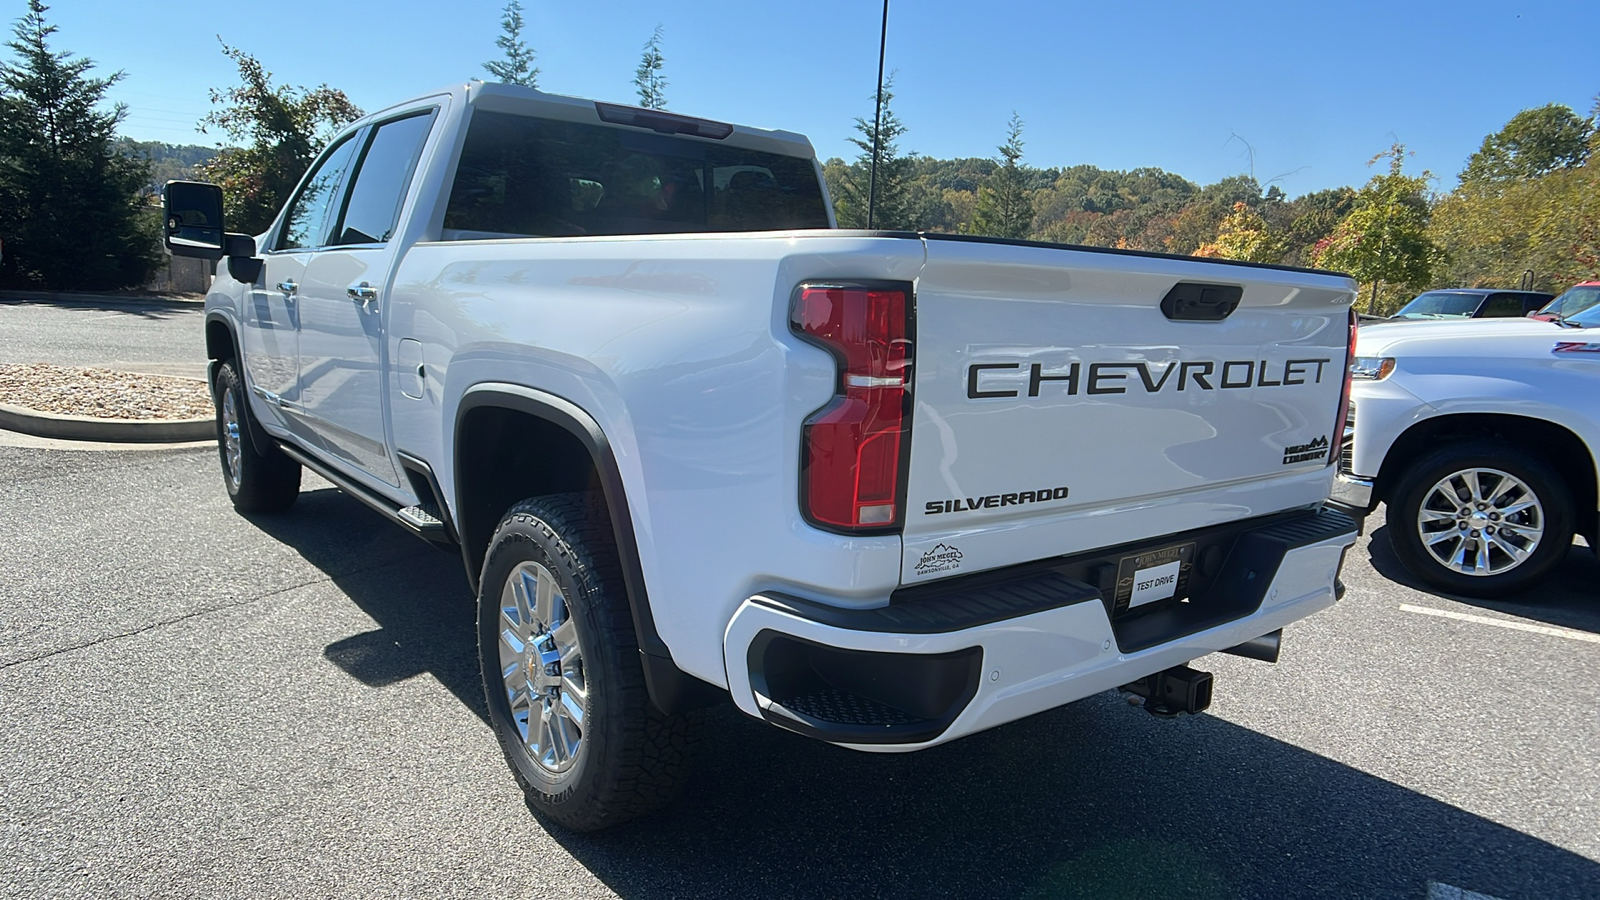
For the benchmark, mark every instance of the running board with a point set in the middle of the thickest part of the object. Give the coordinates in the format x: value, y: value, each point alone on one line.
x: 422, y: 520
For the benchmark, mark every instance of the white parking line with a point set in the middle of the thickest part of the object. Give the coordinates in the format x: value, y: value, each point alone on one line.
x: 1502, y: 623
x: 1440, y: 891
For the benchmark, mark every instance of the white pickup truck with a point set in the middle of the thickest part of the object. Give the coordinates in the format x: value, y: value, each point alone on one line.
x: 692, y: 442
x: 1480, y: 436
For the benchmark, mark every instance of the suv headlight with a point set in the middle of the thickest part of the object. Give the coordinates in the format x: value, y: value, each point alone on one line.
x: 1371, y: 368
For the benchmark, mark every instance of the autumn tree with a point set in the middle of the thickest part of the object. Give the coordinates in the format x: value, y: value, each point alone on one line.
x: 281, y: 129
x: 1004, y: 208
x: 1244, y: 235
x: 516, y: 65
x: 652, y: 85
x: 1385, y: 238
x: 70, y: 205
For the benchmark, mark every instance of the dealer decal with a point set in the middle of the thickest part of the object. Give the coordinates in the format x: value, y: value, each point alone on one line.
x: 993, y: 501
x: 942, y: 558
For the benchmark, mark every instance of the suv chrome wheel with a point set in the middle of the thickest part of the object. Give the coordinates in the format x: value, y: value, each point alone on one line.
x: 1480, y: 521
x: 541, y: 665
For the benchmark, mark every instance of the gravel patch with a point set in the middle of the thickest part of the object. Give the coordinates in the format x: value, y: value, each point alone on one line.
x: 102, y: 393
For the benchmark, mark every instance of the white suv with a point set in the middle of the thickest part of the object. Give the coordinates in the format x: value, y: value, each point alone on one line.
x: 1480, y: 437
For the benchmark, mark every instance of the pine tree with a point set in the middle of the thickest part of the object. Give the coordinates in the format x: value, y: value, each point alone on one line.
x: 892, y: 209
x: 647, y: 78
x: 71, y: 211
x: 1004, y: 209
x: 517, y: 67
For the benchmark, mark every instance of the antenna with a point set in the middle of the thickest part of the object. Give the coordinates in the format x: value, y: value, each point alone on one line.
x: 877, y: 118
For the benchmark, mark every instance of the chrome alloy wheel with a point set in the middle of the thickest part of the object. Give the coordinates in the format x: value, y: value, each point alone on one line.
x: 1480, y: 521
x: 232, y: 449
x: 541, y: 667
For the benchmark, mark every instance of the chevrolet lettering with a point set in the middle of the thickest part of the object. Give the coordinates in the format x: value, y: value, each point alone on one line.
x: 988, y: 380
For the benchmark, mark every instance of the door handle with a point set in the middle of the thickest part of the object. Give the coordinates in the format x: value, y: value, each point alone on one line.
x: 362, y: 293
x: 289, y: 288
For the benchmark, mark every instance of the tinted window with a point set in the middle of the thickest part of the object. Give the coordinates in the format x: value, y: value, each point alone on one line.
x: 309, y: 216
x: 1502, y: 305
x: 533, y: 177
x: 1440, y: 304
x: 381, y: 180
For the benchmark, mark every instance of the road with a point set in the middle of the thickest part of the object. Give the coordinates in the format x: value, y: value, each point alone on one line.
x: 155, y: 336
x: 197, y: 704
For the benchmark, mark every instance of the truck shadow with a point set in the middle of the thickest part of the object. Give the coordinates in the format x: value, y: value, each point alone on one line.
x: 1565, y: 598
x: 417, y: 594
x: 1091, y: 800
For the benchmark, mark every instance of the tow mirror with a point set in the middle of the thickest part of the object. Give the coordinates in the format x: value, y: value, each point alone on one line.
x: 192, y: 226
x: 192, y: 211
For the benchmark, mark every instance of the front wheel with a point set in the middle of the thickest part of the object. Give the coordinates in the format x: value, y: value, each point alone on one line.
x: 1481, y: 518
x: 561, y: 670
x: 257, y: 482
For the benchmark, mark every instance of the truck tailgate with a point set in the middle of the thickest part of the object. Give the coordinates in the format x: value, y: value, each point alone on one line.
x: 1058, y: 408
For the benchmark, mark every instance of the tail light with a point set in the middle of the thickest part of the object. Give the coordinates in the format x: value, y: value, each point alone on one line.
x: 855, y: 450
x: 1344, y: 393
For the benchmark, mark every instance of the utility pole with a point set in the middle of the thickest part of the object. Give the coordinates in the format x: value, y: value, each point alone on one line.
x: 877, y: 118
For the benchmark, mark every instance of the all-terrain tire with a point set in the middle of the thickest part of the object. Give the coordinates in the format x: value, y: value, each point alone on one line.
x: 630, y: 758
x: 1448, y: 482
x: 257, y: 482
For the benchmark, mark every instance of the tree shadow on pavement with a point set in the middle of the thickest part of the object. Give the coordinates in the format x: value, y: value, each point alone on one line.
x: 416, y: 593
x: 143, y: 307
x: 1567, y: 597
x: 1096, y: 799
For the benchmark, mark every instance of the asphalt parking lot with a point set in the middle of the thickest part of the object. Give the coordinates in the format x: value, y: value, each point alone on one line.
x: 197, y: 704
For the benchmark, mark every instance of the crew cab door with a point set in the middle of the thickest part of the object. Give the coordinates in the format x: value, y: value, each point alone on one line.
x: 271, y: 334
x: 342, y: 299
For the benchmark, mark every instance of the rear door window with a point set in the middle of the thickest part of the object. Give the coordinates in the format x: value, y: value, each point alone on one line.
x: 381, y: 179
x: 521, y: 176
x: 1501, y: 306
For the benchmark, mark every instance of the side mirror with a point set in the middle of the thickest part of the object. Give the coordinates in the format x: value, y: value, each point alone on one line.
x: 192, y: 213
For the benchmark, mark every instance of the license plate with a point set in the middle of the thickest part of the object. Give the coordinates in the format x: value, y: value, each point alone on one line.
x: 1146, y: 578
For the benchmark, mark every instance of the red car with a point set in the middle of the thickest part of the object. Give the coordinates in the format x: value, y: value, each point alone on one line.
x: 1578, y: 298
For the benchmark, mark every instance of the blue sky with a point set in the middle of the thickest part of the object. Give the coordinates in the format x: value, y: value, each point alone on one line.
x: 1315, y: 89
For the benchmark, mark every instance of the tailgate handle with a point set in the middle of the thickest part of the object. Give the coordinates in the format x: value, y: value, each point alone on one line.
x: 1191, y: 301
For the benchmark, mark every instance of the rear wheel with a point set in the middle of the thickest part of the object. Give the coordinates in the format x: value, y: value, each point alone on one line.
x: 561, y: 671
x: 256, y: 481
x: 1481, y: 518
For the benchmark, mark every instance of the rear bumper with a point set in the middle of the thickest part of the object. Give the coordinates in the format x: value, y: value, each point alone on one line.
x: 983, y: 650
x: 1354, y: 492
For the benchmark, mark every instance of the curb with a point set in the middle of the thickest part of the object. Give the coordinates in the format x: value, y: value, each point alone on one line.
x: 89, y: 428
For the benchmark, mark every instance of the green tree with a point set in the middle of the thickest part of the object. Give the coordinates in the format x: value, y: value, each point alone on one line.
x: 1535, y: 142
x: 70, y: 209
x: 1385, y: 238
x: 647, y: 78
x: 282, y: 130
x: 1004, y: 208
x: 851, y: 185
x: 1548, y: 225
x: 517, y: 67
